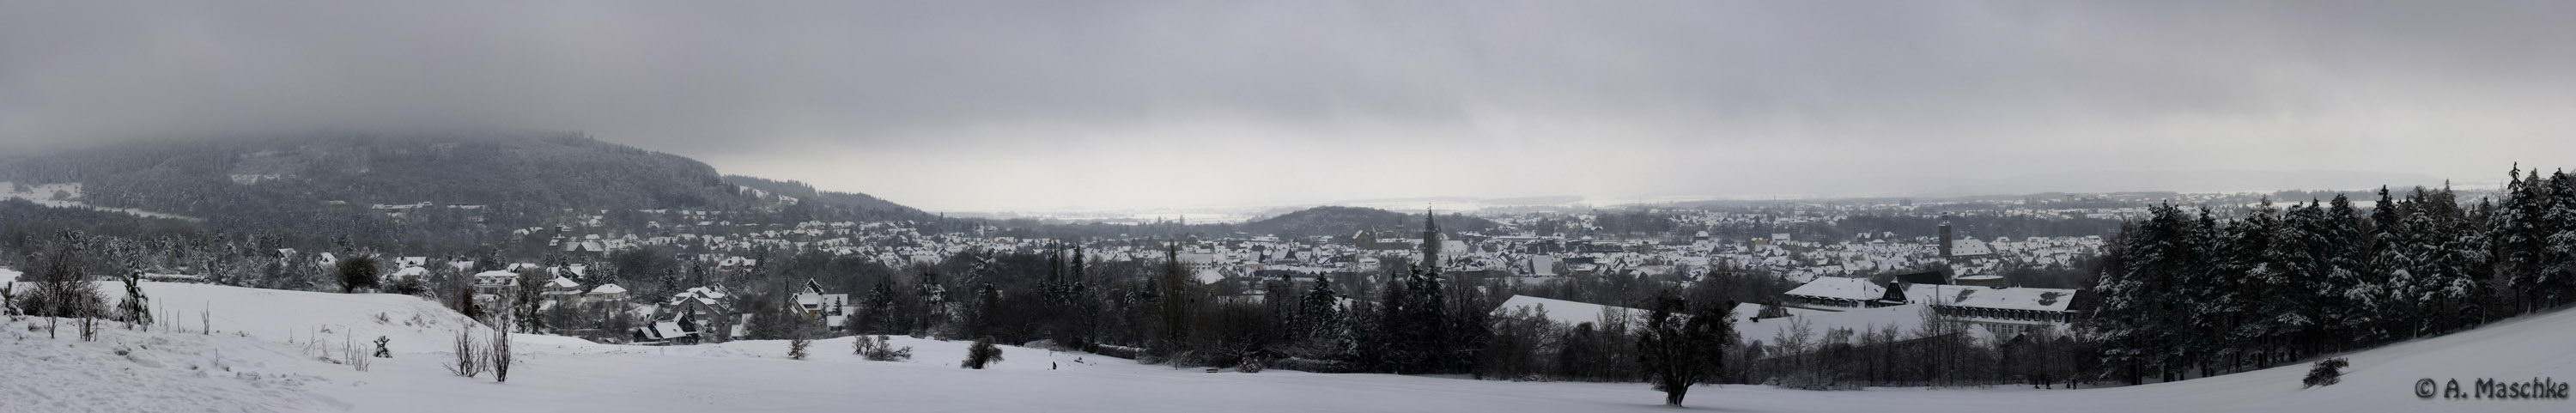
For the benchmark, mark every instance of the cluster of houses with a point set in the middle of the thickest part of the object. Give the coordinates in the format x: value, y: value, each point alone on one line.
x: 1516, y: 252
x: 692, y: 315
x: 561, y: 289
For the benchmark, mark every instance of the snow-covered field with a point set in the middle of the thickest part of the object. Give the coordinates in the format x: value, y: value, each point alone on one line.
x: 68, y: 195
x: 250, y: 364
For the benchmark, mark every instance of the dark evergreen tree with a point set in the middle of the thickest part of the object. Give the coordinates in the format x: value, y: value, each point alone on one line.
x: 877, y: 310
x: 1319, y: 312
x: 2517, y: 234
x: 136, y: 310
x: 1177, y: 295
x: 2350, y: 283
x: 2391, y: 271
x: 2556, y: 282
x: 2259, y: 280
x: 2138, y: 315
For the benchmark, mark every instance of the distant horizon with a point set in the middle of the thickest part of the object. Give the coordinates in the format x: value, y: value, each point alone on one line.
x: 1437, y: 201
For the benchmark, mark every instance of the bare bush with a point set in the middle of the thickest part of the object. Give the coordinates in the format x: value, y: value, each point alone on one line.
x: 2326, y: 373
x: 878, y: 350
x: 500, y: 355
x: 349, y: 351
x: 469, y: 362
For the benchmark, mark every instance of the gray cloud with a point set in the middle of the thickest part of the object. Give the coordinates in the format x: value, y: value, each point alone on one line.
x: 977, y: 105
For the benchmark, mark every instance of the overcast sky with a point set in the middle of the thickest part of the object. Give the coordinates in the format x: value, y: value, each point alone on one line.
x: 1045, y: 105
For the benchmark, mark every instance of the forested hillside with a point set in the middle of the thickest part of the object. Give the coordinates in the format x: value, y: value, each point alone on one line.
x: 1342, y: 221
x: 314, y: 190
x: 806, y: 193
x: 528, y: 173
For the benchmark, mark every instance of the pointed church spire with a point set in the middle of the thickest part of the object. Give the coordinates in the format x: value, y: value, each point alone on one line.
x: 1430, y: 240
x: 1430, y: 221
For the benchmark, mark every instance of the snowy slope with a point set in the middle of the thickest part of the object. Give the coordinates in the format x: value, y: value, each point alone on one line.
x: 299, y: 315
x: 250, y: 366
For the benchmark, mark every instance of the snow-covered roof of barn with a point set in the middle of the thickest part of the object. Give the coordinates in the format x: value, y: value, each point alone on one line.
x: 1857, y: 289
x: 1568, y: 312
x: 1905, y: 318
x: 2014, y: 298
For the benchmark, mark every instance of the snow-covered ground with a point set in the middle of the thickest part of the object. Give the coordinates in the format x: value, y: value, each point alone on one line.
x: 249, y: 364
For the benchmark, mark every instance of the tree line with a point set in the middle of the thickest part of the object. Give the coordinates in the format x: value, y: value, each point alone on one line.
x: 2185, y: 293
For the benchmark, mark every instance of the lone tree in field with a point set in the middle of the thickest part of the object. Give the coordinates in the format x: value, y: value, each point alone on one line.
x: 358, y: 271
x: 1676, y: 352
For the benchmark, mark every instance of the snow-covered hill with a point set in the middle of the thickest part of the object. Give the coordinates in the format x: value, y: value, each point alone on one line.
x: 276, y: 351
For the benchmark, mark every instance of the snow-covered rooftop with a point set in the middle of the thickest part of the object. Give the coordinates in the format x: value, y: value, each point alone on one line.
x: 1905, y: 318
x: 1856, y: 289
x: 1568, y: 312
x: 2015, y: 298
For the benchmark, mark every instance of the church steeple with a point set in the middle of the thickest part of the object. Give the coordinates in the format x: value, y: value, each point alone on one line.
x: 1430, y: 239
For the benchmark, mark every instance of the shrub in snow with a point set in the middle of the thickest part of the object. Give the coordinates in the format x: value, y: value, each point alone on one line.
x: 1809, y: 380
x: 2326, y: 373
x: 468, y: 362
x: 408, y: 286
x: 500, y: 355
x: 981, y: 354
x: 796, y: 348
x: 878, y: 350
x: 381, y: 350
x: 349, y: 351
